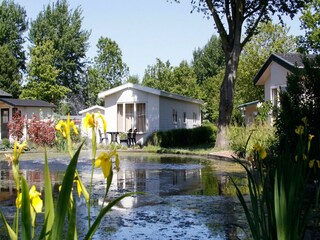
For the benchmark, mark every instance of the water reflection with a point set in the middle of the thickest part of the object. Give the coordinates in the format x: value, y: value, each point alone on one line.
x: 189, y: 196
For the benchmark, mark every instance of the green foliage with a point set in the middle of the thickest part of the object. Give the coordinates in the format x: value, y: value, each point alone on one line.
x: 10, y: 77
x: 63, y: 27
x: 180, y: 80
x: 263, y: 134
x: 302, y: 99
x: 183, y: 137
x: 42, y: 83
x: 5, y: 142
x: 13, y: 24
x: 272, y: 38
x: 209, y: 60
x: 310, y: 22
x: 108, y: 62
x: 281, y: 195
x: 264, y: 110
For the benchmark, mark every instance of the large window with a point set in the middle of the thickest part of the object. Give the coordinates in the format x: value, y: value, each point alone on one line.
x: 131, y: 116
x: 275, y: 97
x: 141, y: 117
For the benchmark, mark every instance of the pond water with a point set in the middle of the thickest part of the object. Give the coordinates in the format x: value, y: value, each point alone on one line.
x: 186, y: 197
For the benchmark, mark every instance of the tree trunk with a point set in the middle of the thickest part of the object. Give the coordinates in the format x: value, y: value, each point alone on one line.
x: 226, y: 97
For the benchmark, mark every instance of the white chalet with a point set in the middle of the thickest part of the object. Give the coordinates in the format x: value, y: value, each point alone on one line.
x: 273, y: 77
x: 132, y: 106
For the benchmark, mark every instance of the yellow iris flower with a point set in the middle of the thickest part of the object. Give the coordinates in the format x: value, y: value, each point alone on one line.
x: 260, y: 150
x: 299, y: 130
x: 79, y: 188
x: 92, y: 121
x: 65, y: 126
x: 17, y: 150
x: 35, y: 200
x: 311, y: 163
x: 104, y: 161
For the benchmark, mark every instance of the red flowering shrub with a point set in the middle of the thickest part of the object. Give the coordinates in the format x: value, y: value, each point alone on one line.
x: 16, y: 126
x: 41, y: 132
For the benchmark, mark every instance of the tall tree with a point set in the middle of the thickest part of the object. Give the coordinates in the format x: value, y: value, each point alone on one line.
x: 231, y: 18
x: 13, y: 24
x: 272, y: 38
x: 310, y: 22
x: 159, y: 75
x: 207, y: 64
x: 111, y: 69
x: 64, y: 28
x: 10, y: 77
x: 42, y: 83
x: 209, y: 60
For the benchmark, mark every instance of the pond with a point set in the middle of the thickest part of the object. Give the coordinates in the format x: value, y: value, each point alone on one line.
x: 186, y: 197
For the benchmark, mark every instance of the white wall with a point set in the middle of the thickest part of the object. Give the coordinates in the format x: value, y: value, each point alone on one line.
x: 278, y: 78
x: 166, y: 109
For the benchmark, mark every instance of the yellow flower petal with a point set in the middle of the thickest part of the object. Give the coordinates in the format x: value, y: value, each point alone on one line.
x: 299, y: 130
x: 311, y: 163
x: 79, y: 188
x: 106, y: 168
x: 104, y: 123
x: 318, y: 162
x: 19, y: 200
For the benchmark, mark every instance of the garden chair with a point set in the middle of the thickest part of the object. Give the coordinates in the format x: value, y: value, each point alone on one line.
x: 103, y: 136
x: 129, y: 137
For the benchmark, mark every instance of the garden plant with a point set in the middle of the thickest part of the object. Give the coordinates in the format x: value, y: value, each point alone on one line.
x: 60, y: 218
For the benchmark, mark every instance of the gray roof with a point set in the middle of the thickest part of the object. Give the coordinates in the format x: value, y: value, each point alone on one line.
x: 26, y: 102
x: 286, y: 60
x: 5, y: 94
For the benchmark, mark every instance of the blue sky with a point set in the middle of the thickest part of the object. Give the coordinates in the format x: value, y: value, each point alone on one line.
x: 143, y: 29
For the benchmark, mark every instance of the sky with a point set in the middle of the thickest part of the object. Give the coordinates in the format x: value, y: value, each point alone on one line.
x: 144, y: 29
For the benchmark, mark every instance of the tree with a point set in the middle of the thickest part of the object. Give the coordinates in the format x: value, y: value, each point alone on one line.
x: 209, y: 60
x: 272, y: 38
x: 310, y: 21
x: 231, y: 18
x: 12, y: 56
x: 42, y: 82
x: 10, y: 76
x: 207, y: 64
x: 158, y: 76
x: 13, y: 24
x: 133, y: 79
x: 111, y: 69
x: 63, y: 27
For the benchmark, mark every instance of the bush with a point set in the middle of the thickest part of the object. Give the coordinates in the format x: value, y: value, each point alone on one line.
x: 263, y: 134
x: 301, y: 100
x: 184, y: 137
x: 6, y: 142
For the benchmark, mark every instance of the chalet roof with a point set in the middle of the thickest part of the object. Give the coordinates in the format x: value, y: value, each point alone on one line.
x: 149, y: 90
x: 4, y: 94
x: 286, y: 60
x: 90, y: 109
x: 26, y: 102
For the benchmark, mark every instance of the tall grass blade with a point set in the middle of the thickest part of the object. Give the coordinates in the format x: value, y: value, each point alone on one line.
x: 49, y: 206
x: 10, y: 232
x: 25, y: 211
x: 64, y: 197
x: 103, y: 212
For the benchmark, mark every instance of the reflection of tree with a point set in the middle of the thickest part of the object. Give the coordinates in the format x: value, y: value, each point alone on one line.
x: 209, y: 181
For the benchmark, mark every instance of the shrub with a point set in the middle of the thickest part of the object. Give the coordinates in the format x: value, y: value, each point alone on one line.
x: 263, y: 134
x: 183, y: 137
x: 16, y: 126
x: 302, y: 99
x: 6, y: 142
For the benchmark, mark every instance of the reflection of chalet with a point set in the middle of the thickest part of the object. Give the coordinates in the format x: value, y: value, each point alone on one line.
x: 9, y: 105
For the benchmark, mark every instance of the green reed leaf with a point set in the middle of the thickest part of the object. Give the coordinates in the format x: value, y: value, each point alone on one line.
x: 64, y: 197
x: 10, y: 232
x: 25, y: 211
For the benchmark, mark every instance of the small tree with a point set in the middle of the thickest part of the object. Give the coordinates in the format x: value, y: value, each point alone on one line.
x: 41, y: 132
x: 16, y: 126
